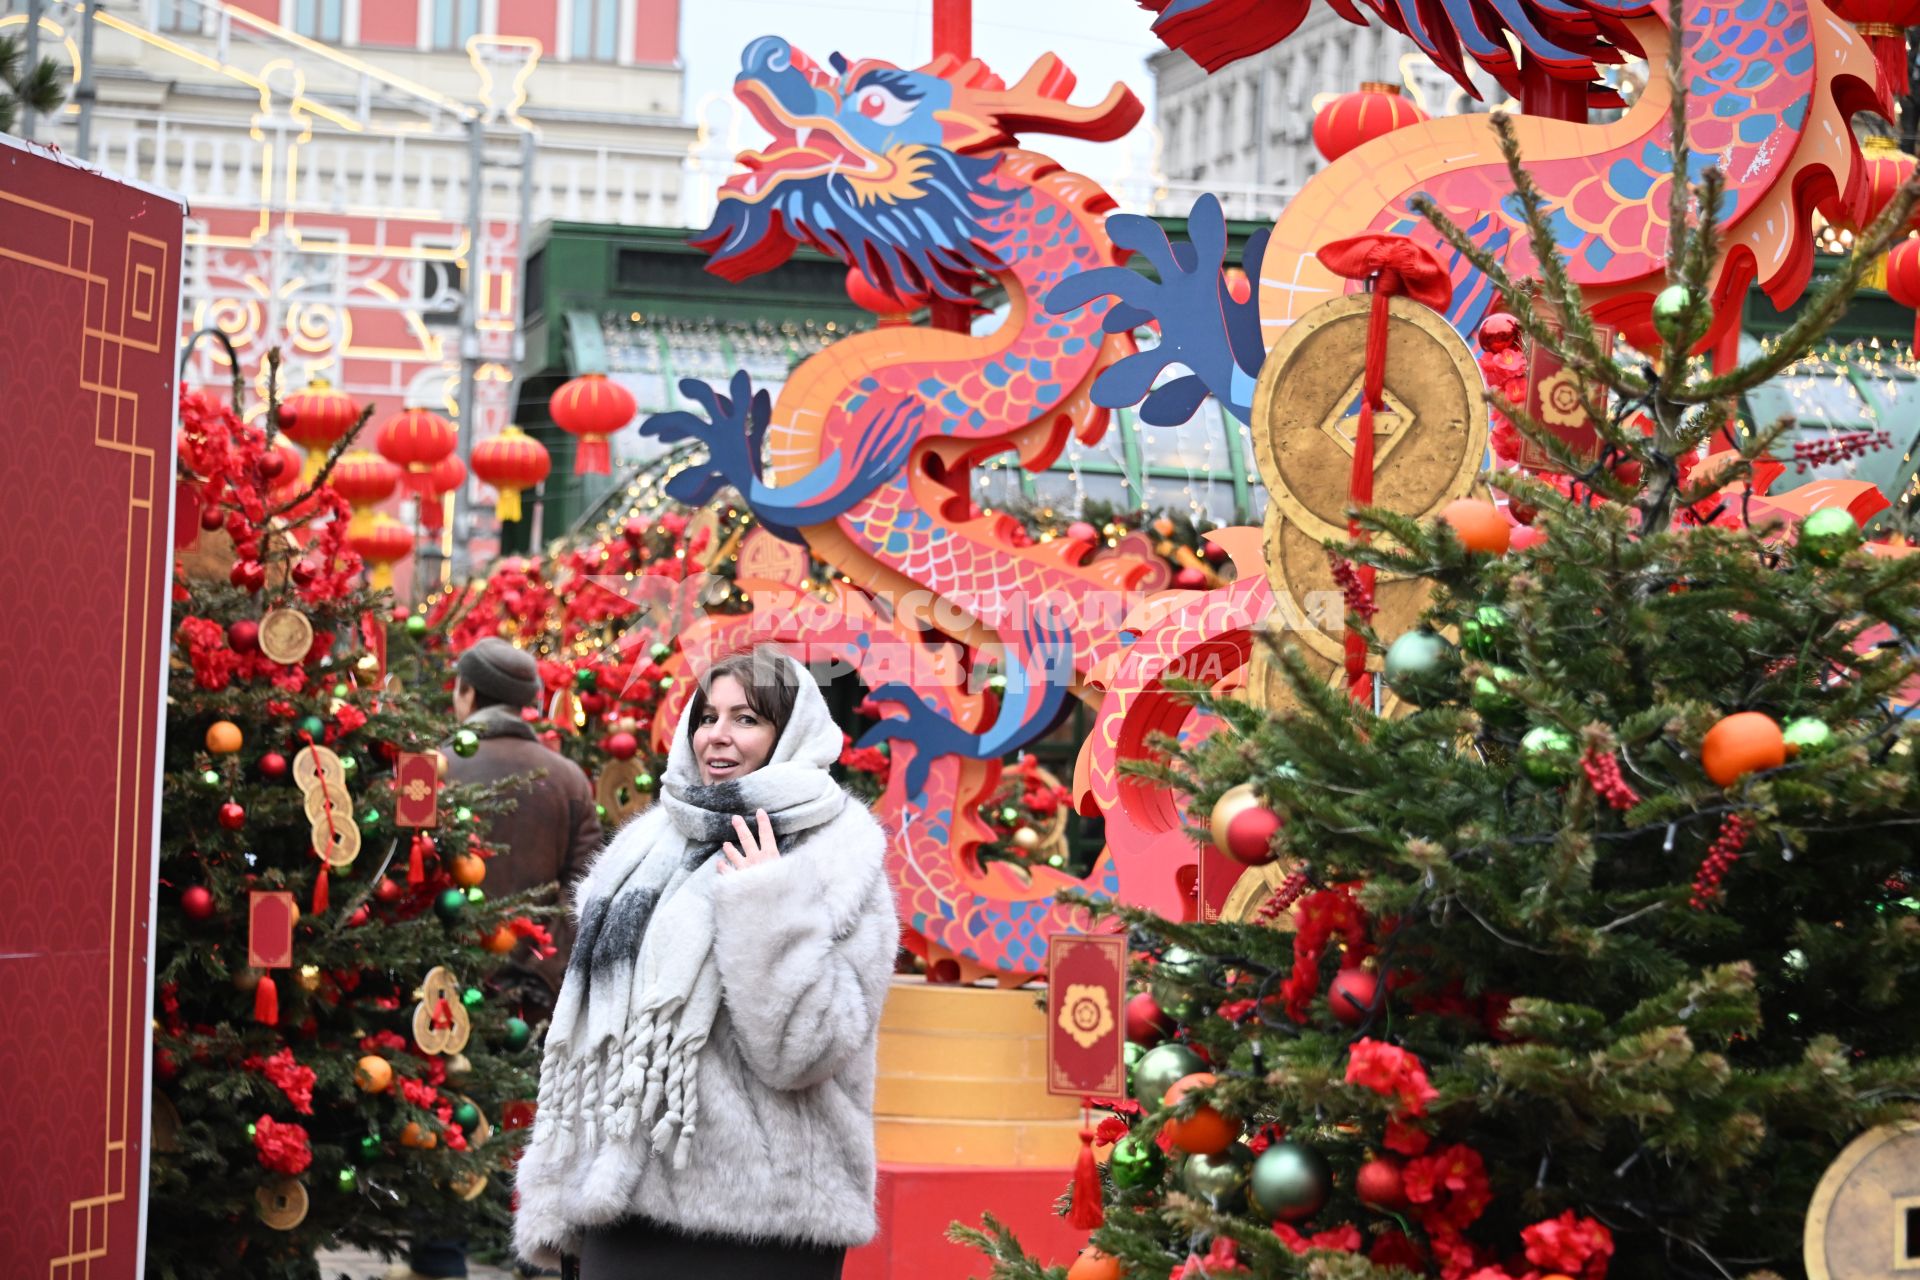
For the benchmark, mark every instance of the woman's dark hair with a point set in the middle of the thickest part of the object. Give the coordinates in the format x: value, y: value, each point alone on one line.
x: 767, y: 679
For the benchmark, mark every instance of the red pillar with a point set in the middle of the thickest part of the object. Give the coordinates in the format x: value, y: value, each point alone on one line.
x: 952, y: 34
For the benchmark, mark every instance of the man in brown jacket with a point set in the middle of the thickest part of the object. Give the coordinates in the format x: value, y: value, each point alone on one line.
x: 553, y: 829
x: 548, y: 837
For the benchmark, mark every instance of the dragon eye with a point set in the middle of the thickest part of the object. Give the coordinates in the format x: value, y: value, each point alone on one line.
x: 882, y: 106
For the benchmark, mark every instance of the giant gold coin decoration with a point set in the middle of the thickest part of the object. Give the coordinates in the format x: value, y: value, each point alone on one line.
x: 1428, y: 448
x: 282, y: 1203
x: 1864, y: 1221
x: 441, y: 991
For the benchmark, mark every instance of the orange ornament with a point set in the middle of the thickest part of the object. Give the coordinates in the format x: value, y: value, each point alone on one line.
x: 468, y: 870
x: 373, y: 1073
x: 500, y: 941
x: 1092, y: 1264
x: 223, y: 737
x: 1207, y: 1133
x: 418, y: 1135
x: 1742, y: 743
x: 1479, y: 525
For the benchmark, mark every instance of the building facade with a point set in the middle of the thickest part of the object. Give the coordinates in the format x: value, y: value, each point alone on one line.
x: 1245, y: 132
x: 352, y: 165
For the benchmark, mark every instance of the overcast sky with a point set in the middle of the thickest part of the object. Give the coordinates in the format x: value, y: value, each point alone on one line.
x: 1102, y: 41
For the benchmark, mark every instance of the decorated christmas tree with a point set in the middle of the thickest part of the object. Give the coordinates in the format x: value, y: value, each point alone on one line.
x: 330, y: 1062
x: 1592, y: 942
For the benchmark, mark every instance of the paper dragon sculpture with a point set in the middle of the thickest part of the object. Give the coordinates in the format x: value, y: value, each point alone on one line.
x: 913, y: 176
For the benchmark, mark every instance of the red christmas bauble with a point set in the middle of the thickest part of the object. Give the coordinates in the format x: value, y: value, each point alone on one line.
x: 272, y: 463
x: 359, y: 917
x: 1081, y: 531
x: 1250, y: 834
x: 1147, y: 1023
x: 622, y: 746
x: 1499, y: 332
x: 1526, y: 536
x: 197, y: 903
x: 1215, y: 553
x: 1190, y: 578
x: 1378, y: 1183
x: 303, y: 572
x: 273, y: 765
x: 388, y: 890
x: 243, y: 636
x: 1351, y: 995
x: 232, y: 816
x: 211, y: 518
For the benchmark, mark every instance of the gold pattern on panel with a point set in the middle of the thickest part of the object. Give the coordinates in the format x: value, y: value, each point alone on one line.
x: 144, y: 326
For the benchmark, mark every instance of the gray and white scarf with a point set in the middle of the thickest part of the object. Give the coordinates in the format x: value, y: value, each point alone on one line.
x: 642, y: 988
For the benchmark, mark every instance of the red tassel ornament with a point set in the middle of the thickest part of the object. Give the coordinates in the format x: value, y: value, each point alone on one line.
x: 320, y: 892
x: 1087, y: 1212
x: 266, y: 1002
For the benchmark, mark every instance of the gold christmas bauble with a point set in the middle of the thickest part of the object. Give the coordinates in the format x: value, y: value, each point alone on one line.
x: 309, y: 977
x: 1232, y: 802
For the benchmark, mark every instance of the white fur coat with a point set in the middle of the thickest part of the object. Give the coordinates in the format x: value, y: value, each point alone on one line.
x: 784, y: 1148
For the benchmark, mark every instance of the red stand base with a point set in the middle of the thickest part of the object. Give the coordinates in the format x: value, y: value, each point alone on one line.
x: 918, y: 1202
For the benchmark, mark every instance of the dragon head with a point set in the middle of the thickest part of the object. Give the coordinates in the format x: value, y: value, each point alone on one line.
x: 884, y: 167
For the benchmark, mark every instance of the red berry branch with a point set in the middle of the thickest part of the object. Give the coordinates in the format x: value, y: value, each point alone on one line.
x: 1603, y: 775
x: 1721, y: 854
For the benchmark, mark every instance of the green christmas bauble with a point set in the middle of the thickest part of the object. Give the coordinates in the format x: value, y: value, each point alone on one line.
x: 416, y: 624
x: 516, y: 1034
x: 586, y: 678
x: 1290, y: 1182
x: 348, y: 764
x: 644, y: 781
x: 1009, y: 814
x: 1179, y: 968
x: 313, y: 726
x: 1808, y: 736
x: 476, y: 895
x: 1488, y: 632
x: 1220, y: 1180
x: 1547, y: 755
x: 998, y: 684
x: 349, y: 1177
x: 370, y: 818
x: 471, y: 997
x: 1181, y: 965
x: 1828, y: 534
x: 1160, y: 1069
x: 1130, y: 1053
x: 1416, y: 666
x: 451, y: 904
x: 210, y: 779
x: 371, y: 1142
x: 600, y: 810
x: 1675, y: 314
x: 465, y: 743
x: 1136, y: 1163
x: 665, y: 682
x: 341, y: 691
x: 466, y: 1115
x: 463, y: 814
x: 1494, y: 698
x: 661, y: 652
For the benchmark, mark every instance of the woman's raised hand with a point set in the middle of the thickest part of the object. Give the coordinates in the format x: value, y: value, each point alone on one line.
x: 752, y: 850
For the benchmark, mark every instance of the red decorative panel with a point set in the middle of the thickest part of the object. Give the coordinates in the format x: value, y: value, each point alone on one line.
x: 88, y: 371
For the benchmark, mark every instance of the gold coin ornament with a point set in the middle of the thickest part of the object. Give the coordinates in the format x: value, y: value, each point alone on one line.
x: 1429, y: 444
x: 327, y: 798
x: 283, y: 1203
x: 315, y: 763
x: 286, y: 636
x: 440, y: 1021
x: 337, y: 841
x: 1253, y: 888
x: 1864, y: 1221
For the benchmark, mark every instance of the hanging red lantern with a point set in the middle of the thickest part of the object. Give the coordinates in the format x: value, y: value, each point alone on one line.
x: 892, y: 306
x: 510, y: 462
x: 1887, y: 166
x: 592, y: 407
x: 1355, y: 118
x: 314, y: 419
x: 284, y: 482
x: 416, y: 440
x: 385, y: 543
x: 448, y: 474
x: 1883, y: 23
x: 364, y: 479
x: 1903, y: 279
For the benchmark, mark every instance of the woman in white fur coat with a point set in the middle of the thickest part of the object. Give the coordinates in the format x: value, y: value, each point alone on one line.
x: 706, y: 1095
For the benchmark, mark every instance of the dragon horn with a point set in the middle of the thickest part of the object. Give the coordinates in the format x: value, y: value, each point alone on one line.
x: 986, y: 113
